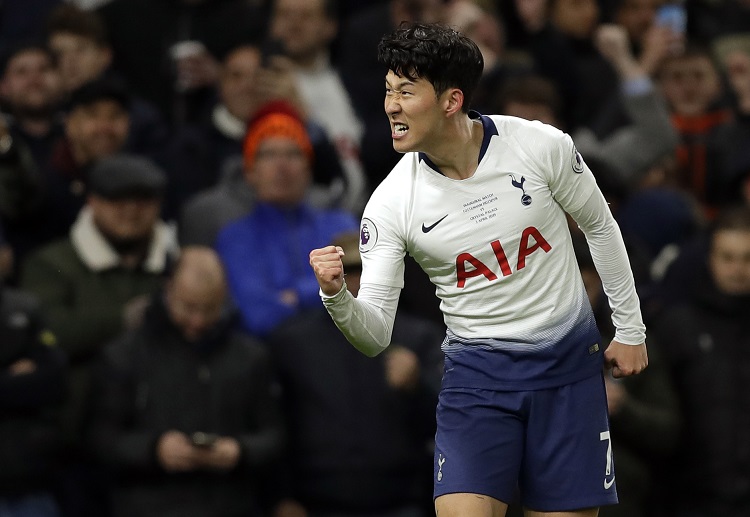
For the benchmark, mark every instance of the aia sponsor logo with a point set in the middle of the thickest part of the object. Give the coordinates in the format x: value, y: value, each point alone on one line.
x: 531, y: 241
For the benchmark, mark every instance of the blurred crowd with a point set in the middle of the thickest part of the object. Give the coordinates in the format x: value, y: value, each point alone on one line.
x: 167, y: 165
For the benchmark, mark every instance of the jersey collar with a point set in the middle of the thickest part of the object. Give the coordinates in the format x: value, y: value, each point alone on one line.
x: 490, y: 130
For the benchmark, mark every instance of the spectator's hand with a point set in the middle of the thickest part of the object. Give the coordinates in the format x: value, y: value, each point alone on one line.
x: 22, y: 367
x: 533, y: 14
x: 277, y: 82
x: 401, y: 368
x: 625, y: 360
x: 132, y: 313
x: 195, y: 67
x: 175, y: 452
x: 616, y: 394
x: 613, y: 44
x: 289, y: 508
x: 328, y: 268
x: 224, y: 454
x: 659, y: 43
x: 738, y: 73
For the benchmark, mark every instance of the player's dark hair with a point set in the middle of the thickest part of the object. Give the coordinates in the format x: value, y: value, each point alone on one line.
x: 438, y: 54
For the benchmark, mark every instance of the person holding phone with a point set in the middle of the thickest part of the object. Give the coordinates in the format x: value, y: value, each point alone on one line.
x: 656, y: 33
x: 185, y: 410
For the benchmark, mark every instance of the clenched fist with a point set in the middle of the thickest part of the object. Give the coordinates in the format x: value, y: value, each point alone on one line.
x: 326, y: 262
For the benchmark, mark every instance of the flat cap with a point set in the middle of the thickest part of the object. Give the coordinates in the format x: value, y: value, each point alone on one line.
x: 126, y: 175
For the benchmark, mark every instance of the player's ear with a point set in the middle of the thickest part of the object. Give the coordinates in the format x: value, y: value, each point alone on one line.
x: 454, y: 101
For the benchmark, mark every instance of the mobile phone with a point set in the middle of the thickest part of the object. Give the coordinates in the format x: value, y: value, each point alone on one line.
x: 672, y: 16
x: 204, y: 439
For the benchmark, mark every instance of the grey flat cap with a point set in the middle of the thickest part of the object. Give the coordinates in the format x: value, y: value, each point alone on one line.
x: 126, y: 175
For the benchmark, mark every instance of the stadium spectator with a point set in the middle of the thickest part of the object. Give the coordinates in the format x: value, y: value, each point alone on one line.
x: 29, y: 128
x: 692, y: 85
x: 271, y: 286
x: 186, y: 413
x: 30, y: 95
x: 44, y: 202
x: 732, y: 162
x: 209, y: 187
x: 633, y: 149
x: 704, y: 336
x: 32, y: 382
x: 79, y: 40
x: 305, y: 30
x: 730, y: 158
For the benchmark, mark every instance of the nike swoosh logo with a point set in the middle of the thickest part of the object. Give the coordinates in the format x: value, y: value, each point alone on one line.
x: 608, y: 484
x: 426, y: 229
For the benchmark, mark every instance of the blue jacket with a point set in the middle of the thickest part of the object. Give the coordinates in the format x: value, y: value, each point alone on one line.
x: 267, y: 252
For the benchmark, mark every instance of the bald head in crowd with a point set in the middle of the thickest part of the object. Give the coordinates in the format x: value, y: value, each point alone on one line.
x: 196, y: 293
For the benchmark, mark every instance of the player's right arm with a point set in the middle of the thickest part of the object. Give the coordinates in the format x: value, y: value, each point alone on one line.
x: 365, y: 321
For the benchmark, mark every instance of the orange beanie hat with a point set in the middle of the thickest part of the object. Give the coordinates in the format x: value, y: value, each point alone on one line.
x: 275, y: 119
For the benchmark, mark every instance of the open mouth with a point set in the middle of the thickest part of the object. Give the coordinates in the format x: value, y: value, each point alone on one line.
x: 400, y: 129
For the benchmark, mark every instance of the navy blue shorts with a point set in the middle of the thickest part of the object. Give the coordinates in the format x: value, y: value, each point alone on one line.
x: 548, y: 448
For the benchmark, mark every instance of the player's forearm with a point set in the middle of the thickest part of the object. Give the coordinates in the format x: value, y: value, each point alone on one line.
x: 611, y: 261
x: 367, y: 321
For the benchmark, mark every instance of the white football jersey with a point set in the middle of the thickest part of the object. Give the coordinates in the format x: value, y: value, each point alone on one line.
x: 496, y: 245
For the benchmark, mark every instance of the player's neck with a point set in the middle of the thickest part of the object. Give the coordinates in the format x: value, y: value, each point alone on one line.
x: 457, y: 154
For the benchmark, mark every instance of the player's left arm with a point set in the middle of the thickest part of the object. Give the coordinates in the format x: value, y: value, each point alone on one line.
x: 626, y: 354
x: 574, y: 187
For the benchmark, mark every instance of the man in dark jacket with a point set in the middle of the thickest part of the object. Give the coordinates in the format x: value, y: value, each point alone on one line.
x: 361, y: 428
x: 707, y: 340
x: 112, y: 262
x: 185, y: 411
x: 32, y: 374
